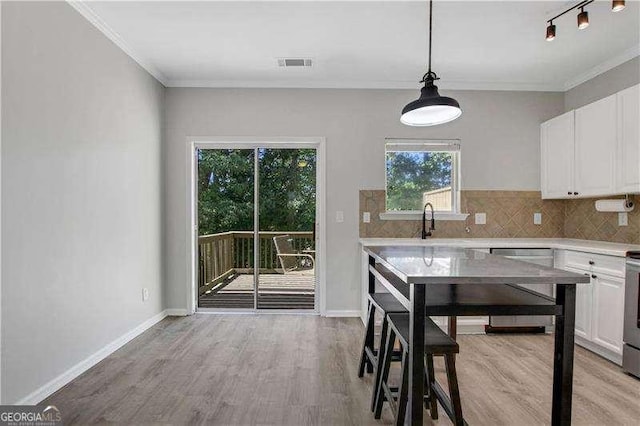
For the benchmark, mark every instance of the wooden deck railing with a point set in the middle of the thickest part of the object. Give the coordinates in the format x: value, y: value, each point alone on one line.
x: 226, y: 253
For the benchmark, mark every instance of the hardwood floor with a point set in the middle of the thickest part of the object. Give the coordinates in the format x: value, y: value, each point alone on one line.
x: 299, y: 370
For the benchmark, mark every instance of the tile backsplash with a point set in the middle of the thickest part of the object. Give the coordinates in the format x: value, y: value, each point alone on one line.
x: 509, y: 214
x: 584, y: 222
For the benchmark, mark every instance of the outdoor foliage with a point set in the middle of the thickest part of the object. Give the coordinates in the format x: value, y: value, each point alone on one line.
x: 410, y: 174
x: 225, y: 190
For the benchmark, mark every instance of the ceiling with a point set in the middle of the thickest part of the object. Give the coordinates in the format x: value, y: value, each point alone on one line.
x: 356, y: 44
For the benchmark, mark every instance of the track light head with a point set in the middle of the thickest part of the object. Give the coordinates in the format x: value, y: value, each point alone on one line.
x: 583, y: 19
x: 551, y: 31
x: 617, y: 5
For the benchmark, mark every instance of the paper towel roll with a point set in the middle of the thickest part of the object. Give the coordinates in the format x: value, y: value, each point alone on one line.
x: 614, y: 205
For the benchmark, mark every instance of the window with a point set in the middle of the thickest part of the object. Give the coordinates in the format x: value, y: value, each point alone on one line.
x: 421, y: 171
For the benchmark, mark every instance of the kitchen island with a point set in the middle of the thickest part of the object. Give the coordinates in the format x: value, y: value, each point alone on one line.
x: 411, y: 273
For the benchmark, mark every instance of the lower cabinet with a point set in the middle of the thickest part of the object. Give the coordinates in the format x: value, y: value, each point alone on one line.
x: 599, y: 318
x: 608, y: 312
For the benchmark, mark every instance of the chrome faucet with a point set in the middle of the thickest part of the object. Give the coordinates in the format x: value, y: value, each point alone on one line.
x: 432, y: 226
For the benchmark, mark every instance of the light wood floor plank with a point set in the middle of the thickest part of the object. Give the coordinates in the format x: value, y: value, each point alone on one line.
x: 302, y: 370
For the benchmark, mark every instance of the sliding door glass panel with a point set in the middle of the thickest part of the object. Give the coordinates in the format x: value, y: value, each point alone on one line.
x: 287, y: 217
x: 225, y: 228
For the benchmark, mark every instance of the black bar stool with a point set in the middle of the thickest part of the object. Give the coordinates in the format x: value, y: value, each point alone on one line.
x: 370, y: 358
x: 437, y: 343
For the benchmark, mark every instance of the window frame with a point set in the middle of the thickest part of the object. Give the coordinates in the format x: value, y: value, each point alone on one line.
x: 421, y: 145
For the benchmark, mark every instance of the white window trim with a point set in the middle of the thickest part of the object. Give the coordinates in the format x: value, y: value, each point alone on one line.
x: 438, y: 145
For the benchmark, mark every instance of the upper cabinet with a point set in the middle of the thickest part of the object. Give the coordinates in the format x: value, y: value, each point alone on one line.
x: 593, y: 151
x: 628, y: 170
x: 595, y: 148
x: 557, y: 156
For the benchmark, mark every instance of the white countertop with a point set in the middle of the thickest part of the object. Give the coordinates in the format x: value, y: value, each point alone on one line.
x: 454, y: 265
x: 588, y: 246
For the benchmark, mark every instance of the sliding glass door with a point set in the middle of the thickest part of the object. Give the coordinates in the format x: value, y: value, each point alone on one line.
x: 287, y: 217
x: 226, y: 211
x: 256, y: 207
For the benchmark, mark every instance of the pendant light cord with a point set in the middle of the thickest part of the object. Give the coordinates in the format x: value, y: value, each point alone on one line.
x: 430, y: 76
x: 430, y: 31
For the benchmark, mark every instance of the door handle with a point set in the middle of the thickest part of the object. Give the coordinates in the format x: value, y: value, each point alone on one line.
x: 594, y: 276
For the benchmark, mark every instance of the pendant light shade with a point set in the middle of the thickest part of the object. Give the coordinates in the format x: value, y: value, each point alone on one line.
x: 430, y: 109
x: 551, y: 32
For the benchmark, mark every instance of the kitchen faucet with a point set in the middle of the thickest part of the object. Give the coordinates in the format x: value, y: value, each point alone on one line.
x: 432, y: 226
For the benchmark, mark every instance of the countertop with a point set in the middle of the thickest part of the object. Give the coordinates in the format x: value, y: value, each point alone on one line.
x: 588, y: 246
x: 454, y: 265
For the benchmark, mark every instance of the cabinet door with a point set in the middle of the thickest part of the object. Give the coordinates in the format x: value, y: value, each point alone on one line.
x: 628, y: 155
x: 595, y: 148
x: 557, y: 156
x: 608, y: 312
x: 583, y: 306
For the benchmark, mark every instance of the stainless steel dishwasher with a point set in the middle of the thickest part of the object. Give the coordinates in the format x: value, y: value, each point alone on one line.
x: 525, y: 324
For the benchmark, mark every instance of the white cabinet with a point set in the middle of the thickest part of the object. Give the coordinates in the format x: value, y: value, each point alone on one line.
x: 583, y: 307
x: 593, y: 151
x: 628, y: 154
x: 557, y: 145
x: 595, y: 148
x: 608, y: 312
x: 599, y: 304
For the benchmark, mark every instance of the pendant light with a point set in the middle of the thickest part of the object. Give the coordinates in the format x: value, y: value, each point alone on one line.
x: 430, y: 109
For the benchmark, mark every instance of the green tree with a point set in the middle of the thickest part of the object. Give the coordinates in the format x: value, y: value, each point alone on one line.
x: 226, y: 183
x: 410, y: 174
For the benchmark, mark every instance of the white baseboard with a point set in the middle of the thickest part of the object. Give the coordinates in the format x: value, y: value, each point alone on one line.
x: 342, y: 314
x: 57, y: 383
x: 176, y: 312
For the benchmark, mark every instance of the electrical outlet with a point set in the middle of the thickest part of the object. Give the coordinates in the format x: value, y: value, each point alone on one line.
x: 339, y: 216
x: 481, y: 218
x: 366, y: 217
x: 145, y: 294
x: 537, y: 218
x: 623, y: 219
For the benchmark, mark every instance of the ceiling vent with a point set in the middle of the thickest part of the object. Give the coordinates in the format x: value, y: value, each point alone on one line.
x: 294, y: 62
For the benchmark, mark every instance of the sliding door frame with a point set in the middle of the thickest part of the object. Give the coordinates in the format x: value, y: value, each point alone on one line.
x: 195, y: 143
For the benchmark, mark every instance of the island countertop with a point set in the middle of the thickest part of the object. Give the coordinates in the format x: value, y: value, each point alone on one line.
x: 588, y: 246
x: 454, y: 265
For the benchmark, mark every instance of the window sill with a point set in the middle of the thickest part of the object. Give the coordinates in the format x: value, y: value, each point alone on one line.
x: 418, y: 216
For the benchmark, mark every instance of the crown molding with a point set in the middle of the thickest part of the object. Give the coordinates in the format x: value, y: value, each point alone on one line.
x: 360, y: 84
x: 85, y: 10
x: 603, y: 67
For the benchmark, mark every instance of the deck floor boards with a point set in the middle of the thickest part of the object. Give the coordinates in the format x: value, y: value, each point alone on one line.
x: 275, y: 291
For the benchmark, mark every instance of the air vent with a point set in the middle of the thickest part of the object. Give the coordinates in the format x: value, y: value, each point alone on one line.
x: 294, y: 62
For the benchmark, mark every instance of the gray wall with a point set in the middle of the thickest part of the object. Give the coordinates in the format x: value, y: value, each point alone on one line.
x: 81, y: 193
x: 603, y: 85
x: 500, y: 150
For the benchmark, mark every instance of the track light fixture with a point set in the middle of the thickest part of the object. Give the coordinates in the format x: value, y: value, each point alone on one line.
x: 617, y: 5
x: 583, y: 16
x: 583, y: 19
x: 551, y: 31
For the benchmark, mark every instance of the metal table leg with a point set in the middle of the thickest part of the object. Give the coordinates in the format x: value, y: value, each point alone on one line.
x: 563, y: 355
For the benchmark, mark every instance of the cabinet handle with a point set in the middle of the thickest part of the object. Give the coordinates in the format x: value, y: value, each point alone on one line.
x: 591, y: 262
x: 594, y: 276
x: 575, y: 193
x: 569, y: 193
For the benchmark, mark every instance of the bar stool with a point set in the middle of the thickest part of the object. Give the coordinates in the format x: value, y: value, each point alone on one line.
x: 370, y: 358
x: 437, y: 343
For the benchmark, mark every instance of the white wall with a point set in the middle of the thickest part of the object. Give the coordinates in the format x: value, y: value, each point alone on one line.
x: 499, y: 133
x: 81, y: 193
x: 616, y: 79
